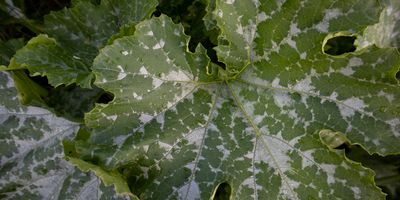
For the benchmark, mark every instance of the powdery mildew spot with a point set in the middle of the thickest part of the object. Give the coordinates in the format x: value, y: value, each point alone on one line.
x: 125, y: 53
x: 112, y: 117
x: 275, y: 82
x: 121, y: 73
x: 349, y: 106
x: 291, y: 43
x: 356, y: 192
x: 176, y: 76
x: 261, y: 17
x: 136, y: 96
x: 177, y: 32
x: 304, y: 85
x: 282, y: 99
x: 395, y: 126
x: 330, y: 171
x: 239, y: 29
x: 159, y: 45
x: 353, y: 62
x: 195, y: 137
x: 144, y: 118
x: 150, y: 33
x: 119, y: 140
x: 389, y: 97
x: 225, y: 152
x: 189, y: 191
x: 330, y: 14
x: 303, y: 55
x: 143, y: 71
x: 294, y: 30
x: 157, y: 82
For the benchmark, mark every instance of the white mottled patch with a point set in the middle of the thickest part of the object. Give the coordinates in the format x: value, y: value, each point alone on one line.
x: 143, y: 45
x: 150, y: 33
x: 248, y: 182
x: 159, y: 45
x: 161, y: 120
x: 196, y: 137
x: 225, y: 152
x: 291, y: 43
x: 293, y: 115
x: 145, y: 148
x: 348, y: 107
x: 189, y: 191
x: 220, y: 13
x: 347, y: 71
x: 176, y: 76
x: 239, y: 29
x: 275, y: 82
x: 261, y: 17
x: 282, y: 99
x: 330, y: 171
x: 356, y: 192
x: 164, y: 145
x: 304, y: 85
x: 125, y: 53
x: 249, y: 107
x: 10, y: 82
x: 376, y: 142
x: 157, y: 82
x: 395, y: 126
x: 121, y: 73
x: 330, y: 14
x: 119, y: 140
x: 190, y: 166
x: 144, y: 118
x: 294, y: 30
x: 353, y: 62
x: 389, y: 97
x: 333, y: 96
x: 303, y: 55
x: 278, y: 150
x: 112, y: 117
x: 275, y: 46
x: 143, y: 71
x: 76, y: 57
x: 230, y: 1
x: 177, y: 32
x: 307, y: 158
x: 136, y: 96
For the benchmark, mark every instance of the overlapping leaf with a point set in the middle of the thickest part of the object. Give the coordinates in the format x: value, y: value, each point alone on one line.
x: 74, y: 36
x: 175, y: 130
x: 8, y: 48
x: 386, y: 33
x: 31, y: 161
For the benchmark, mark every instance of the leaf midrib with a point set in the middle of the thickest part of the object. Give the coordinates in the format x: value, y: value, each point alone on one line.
x: 258, y: 135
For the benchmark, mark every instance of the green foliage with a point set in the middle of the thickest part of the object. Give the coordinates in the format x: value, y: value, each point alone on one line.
x: 204, y: 99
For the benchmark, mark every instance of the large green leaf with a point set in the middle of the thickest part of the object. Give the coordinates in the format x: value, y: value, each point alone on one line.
x: 176, y: 130
x: 31, y: 154
x: 75, y: 35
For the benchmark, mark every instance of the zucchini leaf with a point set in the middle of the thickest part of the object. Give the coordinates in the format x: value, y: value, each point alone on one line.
x: 179, y: 126
x: 73, y: 37
x: 32, y: 164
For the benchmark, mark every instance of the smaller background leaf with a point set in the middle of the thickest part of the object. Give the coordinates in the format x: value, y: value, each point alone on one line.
x: 385, y: 33
x: 32, y: 164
